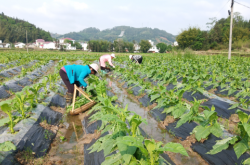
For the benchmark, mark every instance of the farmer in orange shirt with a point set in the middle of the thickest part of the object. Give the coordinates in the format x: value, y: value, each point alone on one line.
x: 106, y: 58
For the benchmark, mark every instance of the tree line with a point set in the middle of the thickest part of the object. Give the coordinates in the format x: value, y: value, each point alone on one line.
x: 218, y: 35
x: 123, y: 46
x: 14, y: 30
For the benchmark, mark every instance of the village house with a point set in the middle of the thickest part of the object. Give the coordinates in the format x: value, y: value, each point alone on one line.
x: 67, y: 45
x: 84, y: 46
x: 48, y: 45
x: 153, y: 49
x: 4, y: 45
x: 19, y: 45
x: 40, y: 42
x: 61, y: 41
x: 137, y: 48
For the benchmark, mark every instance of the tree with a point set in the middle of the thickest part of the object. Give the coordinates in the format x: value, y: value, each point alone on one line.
x: 145, y: 46
x: 78, y: 45
x: 187, y: 37
x: 162, y: 47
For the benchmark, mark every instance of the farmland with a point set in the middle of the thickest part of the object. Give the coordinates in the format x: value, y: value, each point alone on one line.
x: 172, y: 109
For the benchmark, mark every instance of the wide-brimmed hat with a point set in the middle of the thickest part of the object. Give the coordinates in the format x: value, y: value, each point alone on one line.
x: 113, y: 55
x: 94, y: 66
x: 130, y: 56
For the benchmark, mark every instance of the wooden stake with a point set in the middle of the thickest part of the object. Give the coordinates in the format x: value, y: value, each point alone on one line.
x: 75, y: 131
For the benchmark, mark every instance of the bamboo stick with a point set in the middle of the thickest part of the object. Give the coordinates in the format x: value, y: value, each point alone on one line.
x: 75, y: 131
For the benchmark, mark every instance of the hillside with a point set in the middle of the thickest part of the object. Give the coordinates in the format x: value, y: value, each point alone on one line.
x: 14, y: 30
x: 130, y: 34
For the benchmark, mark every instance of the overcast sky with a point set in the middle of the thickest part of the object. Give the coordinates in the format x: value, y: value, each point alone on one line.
x: 64, y: 16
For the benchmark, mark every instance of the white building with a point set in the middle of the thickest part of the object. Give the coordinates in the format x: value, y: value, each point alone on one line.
x: 19, y: 45
x: 49, y: 45
x: 0, y: 41
x: 153, y: 49
x: 84, y: 46
x: 137, y: 48
x: 176, y: 43
x: 61, y: 41
x: 39, y: 42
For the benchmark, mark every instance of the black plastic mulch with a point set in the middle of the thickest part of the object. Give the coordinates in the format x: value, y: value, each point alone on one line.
x: 3, y: 93
x: 58, y: 101
x: 52, y: 117
x: 222, y: 108
x: 136, y: 90
x: 13, y: 87
x: 89, y: 128
x: 157, y: 114
x: 224, y: 93
x: 226, y: 157
x: 145, y: 100
x: 170, y: 86
x: 95, y: 158
x: 197, y: 95
x: 24, y: 82
x: 183, y: 131
x: 37, y: 139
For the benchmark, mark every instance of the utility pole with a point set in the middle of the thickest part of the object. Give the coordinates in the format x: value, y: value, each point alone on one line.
x: 27, y: 42
x: 231, y: 29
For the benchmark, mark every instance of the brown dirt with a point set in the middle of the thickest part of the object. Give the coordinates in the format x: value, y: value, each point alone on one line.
x: 168, y: 120
x: 47, y: 126
x: 212, y: 91
x: 230, y: 125
x: 58, y: 109
x: 178, y: 159
x: 234, y: 118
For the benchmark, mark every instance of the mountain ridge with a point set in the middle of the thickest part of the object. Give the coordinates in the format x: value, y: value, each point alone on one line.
x: 130, y: 34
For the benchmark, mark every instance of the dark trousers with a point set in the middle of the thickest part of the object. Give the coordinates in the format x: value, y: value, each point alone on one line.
x: 66, y: 81
x: 140, y: 60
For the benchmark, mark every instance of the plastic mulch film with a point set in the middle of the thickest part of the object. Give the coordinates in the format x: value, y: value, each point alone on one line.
x: 95, y: 158
x: 225, y: 157
x: 222, y: 108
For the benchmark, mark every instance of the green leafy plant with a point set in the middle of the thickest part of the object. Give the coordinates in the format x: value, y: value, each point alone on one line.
x: 209, y: 124
x: 7, y: 146
x: 240, y: 142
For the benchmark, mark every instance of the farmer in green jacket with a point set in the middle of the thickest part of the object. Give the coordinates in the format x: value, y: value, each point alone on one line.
x: 75, y: 74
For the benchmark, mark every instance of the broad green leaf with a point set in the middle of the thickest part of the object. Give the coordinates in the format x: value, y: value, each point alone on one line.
x: 114, y: 159
x: 174, y: 147
x: 201, y: 132
x: 216, y: 130
x: 222, y: 145
x: 240, y: 148
x: 7, y: 146
x: 4, y: 121
x: 179, y: 111
x: 151, y: 146
x: 247, y: 161
x: 153, y: 97
x: 242, y: 116
x: 247, y: 128
x: 234, y: 106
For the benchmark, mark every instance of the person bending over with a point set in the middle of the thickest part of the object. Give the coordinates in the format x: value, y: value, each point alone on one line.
x: 106, y: 58
x: 75, y: 74
x: 136, y: 58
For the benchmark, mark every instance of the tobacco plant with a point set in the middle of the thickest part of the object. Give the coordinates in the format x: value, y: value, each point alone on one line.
x: 240, y: 142
x: 209, y: 125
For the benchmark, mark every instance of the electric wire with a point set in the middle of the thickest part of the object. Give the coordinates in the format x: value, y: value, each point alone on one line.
x: 242, y: 4
x: 222, y: 8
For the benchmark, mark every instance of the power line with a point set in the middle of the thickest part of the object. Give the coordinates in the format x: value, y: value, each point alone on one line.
x: 242, y: 4
x: 222, y: 8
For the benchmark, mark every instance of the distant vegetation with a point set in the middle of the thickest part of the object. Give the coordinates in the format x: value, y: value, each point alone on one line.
x: 218, y: 35
x: 131, y: 34
x: 14, y: 30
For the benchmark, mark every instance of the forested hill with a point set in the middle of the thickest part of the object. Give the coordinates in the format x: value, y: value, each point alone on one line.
x: 130, y: 34
x: 14, y: 30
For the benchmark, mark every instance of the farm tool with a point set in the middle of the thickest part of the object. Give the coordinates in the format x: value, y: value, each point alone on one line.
x: 83, y: 107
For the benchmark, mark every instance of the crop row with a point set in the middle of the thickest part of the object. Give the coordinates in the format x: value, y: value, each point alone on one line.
x: 22, y: 109
x: 172, y: 103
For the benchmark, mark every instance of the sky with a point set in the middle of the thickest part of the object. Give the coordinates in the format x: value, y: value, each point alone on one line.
x: 64, y: 16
